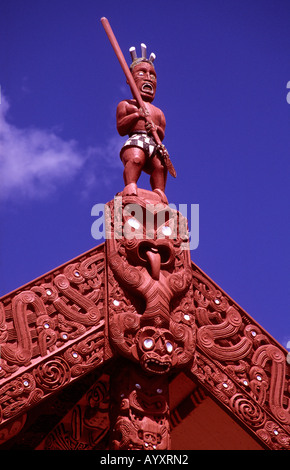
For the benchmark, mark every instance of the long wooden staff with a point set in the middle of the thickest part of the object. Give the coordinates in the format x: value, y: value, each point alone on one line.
x: 136, y: 94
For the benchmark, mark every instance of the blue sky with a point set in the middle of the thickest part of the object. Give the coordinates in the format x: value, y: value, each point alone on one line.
x: 223, y: 68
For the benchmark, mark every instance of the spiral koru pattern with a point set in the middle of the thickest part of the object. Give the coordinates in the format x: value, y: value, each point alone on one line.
x: 53, y: 374
x: 247, y: 410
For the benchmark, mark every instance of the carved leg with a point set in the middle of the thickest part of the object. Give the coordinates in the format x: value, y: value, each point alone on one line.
x: 158, y: 174
x: 139, y: 410
x: 133, y: 159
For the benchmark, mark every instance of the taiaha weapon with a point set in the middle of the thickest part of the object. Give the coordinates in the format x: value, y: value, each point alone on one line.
x: 136, y: 94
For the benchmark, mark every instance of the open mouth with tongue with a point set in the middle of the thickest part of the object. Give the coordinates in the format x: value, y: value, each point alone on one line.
x: 154, y: 255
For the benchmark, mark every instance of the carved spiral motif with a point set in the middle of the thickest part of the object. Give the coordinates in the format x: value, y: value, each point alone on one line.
x: 27, y: 297
x: 21, y: 356
x: 52, y: 374
x: 132, y: 277
x: 61, y: 282
x: 179, y: 331
x: 73, y: 274
x: 89, y: 268
x: 131, y: 243
x: 179, y: 282
x: 249, y: 411
x: 205, y: 337
x: 281, y: 414
x: 131, y: 321
x: 233, y: 317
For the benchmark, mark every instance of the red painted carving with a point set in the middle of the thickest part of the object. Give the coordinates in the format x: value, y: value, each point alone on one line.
x: 87, y: 424
x: 140, y: 411
x: 143, y: 122
x: 54, y: 329
x: 140, y: 300
x: 151, y: 317
x: 140, y: 150
x: 240, y: 364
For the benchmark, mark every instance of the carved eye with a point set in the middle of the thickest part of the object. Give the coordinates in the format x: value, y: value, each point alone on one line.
x: 152, y: 77
x: 134, y: 223
x: 148, y: 343
x: 140, y: 73
x: 169, y: 347
x: 166, y: 230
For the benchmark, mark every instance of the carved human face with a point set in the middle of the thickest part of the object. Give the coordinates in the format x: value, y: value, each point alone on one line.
x: 156, y: 350
x: 145, y: 78
x: 150, y: 438
x: 150, y: 321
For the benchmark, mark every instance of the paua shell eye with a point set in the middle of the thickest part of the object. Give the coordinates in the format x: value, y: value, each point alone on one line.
x: 148, y: 343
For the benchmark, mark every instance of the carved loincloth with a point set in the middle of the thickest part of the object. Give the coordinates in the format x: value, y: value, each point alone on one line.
x: 143, y: 141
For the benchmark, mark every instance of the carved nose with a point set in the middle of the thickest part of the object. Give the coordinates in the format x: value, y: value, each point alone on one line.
x: 154, y: 259
x: 159, y: 346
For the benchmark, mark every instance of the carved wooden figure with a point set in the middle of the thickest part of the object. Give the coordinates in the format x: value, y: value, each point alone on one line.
x: 144, y: 123
x: 140, y: 410
x: 151, y: 318
x: 140, y: 150
x: 128, y: 316
x: 86, y: 314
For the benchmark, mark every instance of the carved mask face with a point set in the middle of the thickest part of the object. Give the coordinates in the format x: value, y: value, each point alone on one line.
x: 150, y: 438
x: 149, y: 321
x: 156, y: 350
x: 145, y: 78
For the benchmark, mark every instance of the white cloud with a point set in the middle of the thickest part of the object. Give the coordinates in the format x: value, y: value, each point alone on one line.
x: 103, y: 165
x: 35, y: 162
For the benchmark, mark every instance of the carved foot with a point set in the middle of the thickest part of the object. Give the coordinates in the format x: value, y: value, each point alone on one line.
x: 130, y: 190
x: 161, y: 194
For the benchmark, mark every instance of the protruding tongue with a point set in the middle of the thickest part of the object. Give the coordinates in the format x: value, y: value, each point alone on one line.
x: 154, y: 259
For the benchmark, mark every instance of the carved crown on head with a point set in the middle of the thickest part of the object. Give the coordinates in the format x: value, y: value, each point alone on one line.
x: 136, y: 60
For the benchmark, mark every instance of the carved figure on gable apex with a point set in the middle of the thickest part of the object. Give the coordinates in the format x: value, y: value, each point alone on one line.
x: 140, y: 151
x: 143, y: 122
